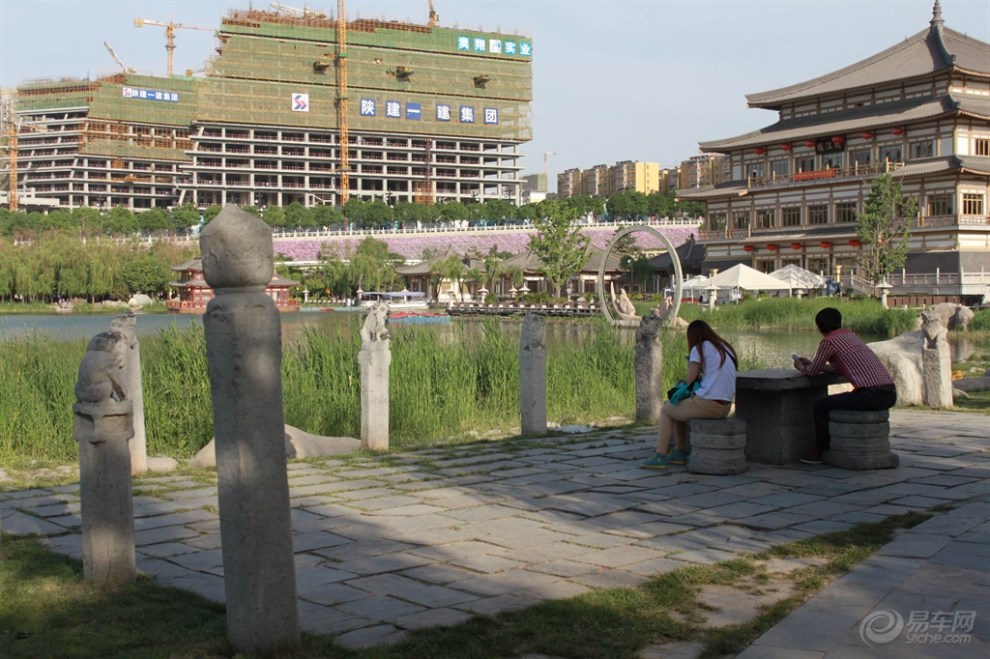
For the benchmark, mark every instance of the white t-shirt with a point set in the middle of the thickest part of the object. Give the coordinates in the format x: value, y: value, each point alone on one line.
x: 718, y: 382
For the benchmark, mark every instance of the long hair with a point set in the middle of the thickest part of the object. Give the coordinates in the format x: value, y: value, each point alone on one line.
x: 699, y: 331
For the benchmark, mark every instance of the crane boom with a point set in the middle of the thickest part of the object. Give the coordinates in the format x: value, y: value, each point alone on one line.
x: 114, y: 56
x: 170, y: 29
x: 342, y: 128
x: 433, y: 15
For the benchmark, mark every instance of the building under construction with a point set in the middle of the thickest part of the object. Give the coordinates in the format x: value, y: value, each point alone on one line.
x: 429, y: 114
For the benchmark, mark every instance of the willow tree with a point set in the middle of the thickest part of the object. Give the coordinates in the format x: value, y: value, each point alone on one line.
x: 884, y: 228
x: 559, y: 244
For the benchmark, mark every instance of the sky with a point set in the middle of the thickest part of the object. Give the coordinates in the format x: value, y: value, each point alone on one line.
x: 613, y: 80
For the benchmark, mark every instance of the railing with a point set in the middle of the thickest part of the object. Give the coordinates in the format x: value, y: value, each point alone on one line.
x: 839, y: 172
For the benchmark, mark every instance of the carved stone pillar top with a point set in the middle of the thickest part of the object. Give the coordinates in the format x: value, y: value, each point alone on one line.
x: 238, y: 250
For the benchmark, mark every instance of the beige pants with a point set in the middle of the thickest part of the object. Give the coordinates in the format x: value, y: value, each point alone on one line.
x: 674, y: 418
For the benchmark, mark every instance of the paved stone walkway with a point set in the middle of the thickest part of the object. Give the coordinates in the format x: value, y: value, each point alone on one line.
x: 393, y: 543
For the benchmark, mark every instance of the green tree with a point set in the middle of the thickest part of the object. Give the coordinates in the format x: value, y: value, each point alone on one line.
x: 453, y: 211
x: 154, y: 219
x: 884, y: 228
x: 493, y: 265
x: 450, y: 268
x: 326, y: 215
x: 298, y: 216
x: 627, y: 204
x: 185, y: 217
x: 120, y: 221
x: 561, y: 247
x: 373, y: 266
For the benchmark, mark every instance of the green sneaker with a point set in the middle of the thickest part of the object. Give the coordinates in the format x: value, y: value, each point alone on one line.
x: 658, y: 461
x: 678, y: 457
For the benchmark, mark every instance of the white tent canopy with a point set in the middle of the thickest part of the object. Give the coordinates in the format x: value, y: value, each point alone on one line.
x: 696, y: 283
x: 744, y: 277
x: 797, y: 277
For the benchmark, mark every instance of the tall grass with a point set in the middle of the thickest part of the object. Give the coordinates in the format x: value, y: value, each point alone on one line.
x: 861, y: 316
x: 444, y: 385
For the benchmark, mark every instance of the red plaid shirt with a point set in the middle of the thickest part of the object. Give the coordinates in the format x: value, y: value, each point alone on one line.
x: 854, y: 359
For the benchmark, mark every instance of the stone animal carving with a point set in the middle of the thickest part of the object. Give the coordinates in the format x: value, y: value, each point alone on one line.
x: 533, y: 333
x: 648, y: 330
x: 931, y: 327
x: 954, y: 316
x: 375, y: 328
x: 101, y: 369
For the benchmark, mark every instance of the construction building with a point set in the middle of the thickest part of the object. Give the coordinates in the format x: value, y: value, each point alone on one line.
x: 917, y: 111
x: 429, y: 114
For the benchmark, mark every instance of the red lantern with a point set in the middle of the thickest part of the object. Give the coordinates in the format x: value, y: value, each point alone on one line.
x: 867, y: 135
x: 855, y: 243
x: 826, y: 244
x: 898, y: 131
x: 838, y: 139
x: 795, y: 246
x: 785, y: 147
x: 748, y: 248
x: 772, y: 247
x: 810, y: 144
x: 759, y: 150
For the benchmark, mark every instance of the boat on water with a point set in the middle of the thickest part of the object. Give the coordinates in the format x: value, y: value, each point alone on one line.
x: 396, y: 300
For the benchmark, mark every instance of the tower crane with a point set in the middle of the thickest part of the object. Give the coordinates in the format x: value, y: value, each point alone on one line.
x: 546, y: 169
x: 342, y: 128
x: 117, y: 59
x: 170, y: 29
x: 433, y: 15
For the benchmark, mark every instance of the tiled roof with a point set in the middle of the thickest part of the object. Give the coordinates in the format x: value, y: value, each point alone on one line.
x: 929, y: 51
x: 837, y: 123
x: 737, y: 189
x: 966, y: 164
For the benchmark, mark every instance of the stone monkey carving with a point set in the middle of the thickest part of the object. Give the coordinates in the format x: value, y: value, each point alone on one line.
x: 101, y: 369
x: 375, y: 328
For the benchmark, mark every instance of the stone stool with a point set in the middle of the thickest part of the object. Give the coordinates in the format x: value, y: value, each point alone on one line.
x: 860, y: 440
x: 718, y: 446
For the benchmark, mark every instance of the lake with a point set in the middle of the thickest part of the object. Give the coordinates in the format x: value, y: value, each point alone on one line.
x: 773, y: 348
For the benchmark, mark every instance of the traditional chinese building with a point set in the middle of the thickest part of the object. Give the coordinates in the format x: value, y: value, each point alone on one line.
x: 919, y: 111
x: 193, y: 293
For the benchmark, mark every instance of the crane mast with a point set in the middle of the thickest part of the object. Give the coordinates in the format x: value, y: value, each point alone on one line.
x: 345, y: 143
x: 170, y: 28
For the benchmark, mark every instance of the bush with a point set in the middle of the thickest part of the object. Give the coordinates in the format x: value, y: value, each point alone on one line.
x: 981, y: 321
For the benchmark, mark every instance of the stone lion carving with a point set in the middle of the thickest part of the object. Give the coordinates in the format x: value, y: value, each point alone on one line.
x: 931, y: 327
x: 101, y: 369
x: 375, y: 328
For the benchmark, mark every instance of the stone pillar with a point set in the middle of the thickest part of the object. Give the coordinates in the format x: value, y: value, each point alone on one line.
x: 103, y: 424
x: 127, y: 326
x: 244, y: 354
x: 533, y: 376
x: 936, y: 362
x: 649, y: 369
x: 375, y: 358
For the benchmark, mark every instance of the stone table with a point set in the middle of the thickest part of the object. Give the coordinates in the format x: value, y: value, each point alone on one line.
x: 776, y: 404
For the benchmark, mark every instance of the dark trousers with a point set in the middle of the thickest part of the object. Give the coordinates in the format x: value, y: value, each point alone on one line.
x: 866, y: 399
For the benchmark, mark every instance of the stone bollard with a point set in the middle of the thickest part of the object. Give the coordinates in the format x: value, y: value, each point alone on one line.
x: 718, y: 446
x: 244, y: 355
x: 104, y: 421
x: 649, y: 369
x: 375, y: 358
x: 936, y: 362
x: 127, y: 326
x: 533, y: 376
x: 860, y: 440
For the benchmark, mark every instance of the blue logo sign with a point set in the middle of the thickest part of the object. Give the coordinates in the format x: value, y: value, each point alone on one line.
x: 414, y: 111
x: 368, y: 107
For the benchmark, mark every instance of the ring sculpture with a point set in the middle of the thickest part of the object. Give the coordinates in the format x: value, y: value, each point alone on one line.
x: 678, y: 274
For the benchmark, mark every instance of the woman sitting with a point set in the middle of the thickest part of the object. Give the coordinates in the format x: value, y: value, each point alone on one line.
x: 713, y: 361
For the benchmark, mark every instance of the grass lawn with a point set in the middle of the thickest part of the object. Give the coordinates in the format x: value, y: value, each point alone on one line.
x: 47, y: 611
